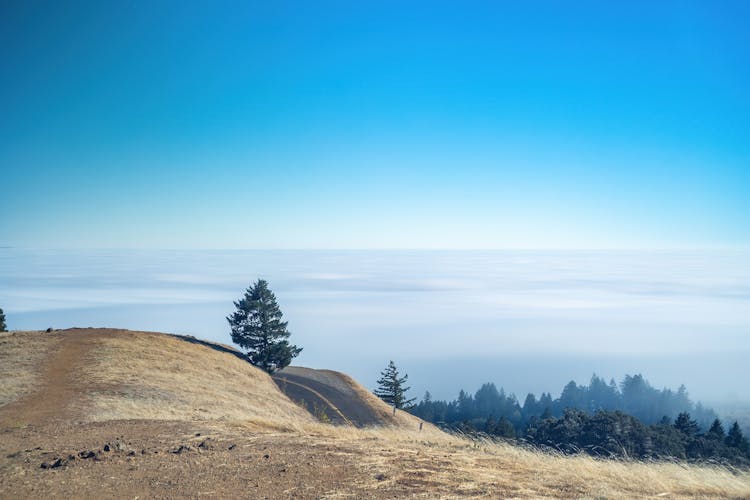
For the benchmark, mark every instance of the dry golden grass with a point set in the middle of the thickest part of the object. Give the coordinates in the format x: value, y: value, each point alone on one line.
x: 21, y: 361
x: 149, y: 376
x: 137, y: 375
x: 447, y: 466
x: 400, y: 419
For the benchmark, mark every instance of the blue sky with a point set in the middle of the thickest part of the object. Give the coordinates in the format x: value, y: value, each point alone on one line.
x: 375, y: 125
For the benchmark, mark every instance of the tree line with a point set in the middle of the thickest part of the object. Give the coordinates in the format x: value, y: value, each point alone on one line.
x: 631, y: 419
x: 634, y: 396
x: 617, y: 434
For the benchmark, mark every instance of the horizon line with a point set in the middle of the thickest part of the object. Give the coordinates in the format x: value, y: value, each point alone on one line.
x: 390, y: 249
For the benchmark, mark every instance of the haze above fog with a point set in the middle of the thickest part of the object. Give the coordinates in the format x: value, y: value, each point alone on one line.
x: 526, y: 320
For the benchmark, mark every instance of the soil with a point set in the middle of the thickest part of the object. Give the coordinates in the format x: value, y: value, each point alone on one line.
x: 57, y: 390
x: 169, y: 459
x: 48, y: 449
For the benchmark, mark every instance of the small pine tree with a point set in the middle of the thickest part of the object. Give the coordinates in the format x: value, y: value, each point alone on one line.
x: 391, y: 387
x: 716, y: 431
x: 685, y: 424
x: 735, y: 439
x: 3, y: 327
x: 257, y: 326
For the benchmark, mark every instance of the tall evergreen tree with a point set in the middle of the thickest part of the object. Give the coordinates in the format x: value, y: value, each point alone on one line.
x: 487, y: 400
x: 257, y: 326
x: 686, y: 424
x: 735, y: 439
x: 391, y: 387
x: 426, y: 410
x: 530, y: 406
x: 716, y: 431
x: 3, y: 327
x: 465, y: 405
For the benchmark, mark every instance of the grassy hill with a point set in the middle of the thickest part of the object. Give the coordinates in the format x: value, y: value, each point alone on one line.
x: 122, y: 413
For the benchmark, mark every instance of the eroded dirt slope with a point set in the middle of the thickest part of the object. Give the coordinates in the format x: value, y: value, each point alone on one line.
x: 343, y: 400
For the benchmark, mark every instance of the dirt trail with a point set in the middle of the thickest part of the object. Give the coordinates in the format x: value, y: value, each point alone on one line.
x: 313, y: 401
x: 57, y: 392
x: 322, y: 389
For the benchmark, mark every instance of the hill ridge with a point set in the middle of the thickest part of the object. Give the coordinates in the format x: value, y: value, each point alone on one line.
x: 104, y: 374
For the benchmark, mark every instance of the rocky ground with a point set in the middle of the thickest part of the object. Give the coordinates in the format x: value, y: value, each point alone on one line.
x: 161, y: 459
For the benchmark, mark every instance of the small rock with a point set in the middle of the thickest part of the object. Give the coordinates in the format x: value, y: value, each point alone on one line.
x: 87, y: 454
x: 197, y: 434
x: 205, y: 444
x: 180, y: 449
x: 380, y: 477
x: 54, y: 464
x: 266, y: 456
x: 107, y: 447
x: 131, y: 453
x: 232, y: 446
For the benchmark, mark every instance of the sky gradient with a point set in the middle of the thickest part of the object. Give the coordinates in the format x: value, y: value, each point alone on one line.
x: 375, y: 125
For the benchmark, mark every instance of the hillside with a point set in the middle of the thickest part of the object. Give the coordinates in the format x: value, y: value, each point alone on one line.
x: 343, y: 400
x: 101, y: 412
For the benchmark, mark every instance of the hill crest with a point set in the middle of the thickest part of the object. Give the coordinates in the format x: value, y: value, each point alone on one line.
x: 100, y: 374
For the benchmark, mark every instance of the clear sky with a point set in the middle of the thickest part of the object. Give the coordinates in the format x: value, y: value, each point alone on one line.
x: 375, y: 124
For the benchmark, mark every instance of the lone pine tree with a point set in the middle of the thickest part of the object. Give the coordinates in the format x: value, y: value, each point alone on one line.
x: 257, y: 327
x: 2, y: 321
x: 391, y: 387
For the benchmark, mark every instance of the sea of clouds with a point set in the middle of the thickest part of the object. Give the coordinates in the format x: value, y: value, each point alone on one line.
x: 527, y: 320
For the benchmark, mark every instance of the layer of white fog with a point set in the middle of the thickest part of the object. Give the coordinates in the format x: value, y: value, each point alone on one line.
x: 526, y: 320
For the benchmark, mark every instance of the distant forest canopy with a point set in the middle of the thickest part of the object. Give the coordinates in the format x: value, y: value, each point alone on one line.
x: 632, y: 420
x: 634, y: 396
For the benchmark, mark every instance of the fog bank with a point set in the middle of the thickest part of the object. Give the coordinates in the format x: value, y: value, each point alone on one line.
x: 529, y: 321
